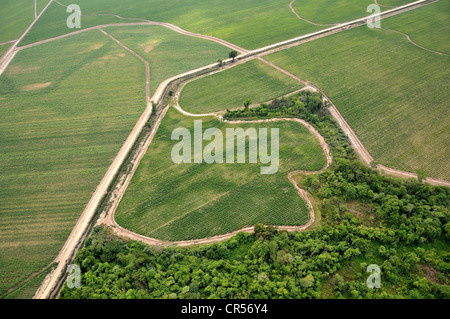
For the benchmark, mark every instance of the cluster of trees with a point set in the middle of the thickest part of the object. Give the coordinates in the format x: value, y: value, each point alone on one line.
x: 418, y: 211
x: 408, y: 237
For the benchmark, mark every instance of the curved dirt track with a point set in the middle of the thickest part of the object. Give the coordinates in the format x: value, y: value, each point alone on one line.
x: 79, y: 230
x: 109, y: 221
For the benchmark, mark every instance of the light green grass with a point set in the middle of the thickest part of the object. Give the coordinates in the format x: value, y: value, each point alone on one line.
x: 393, y: 94
x: 332, y: 11
x: 168, y: 52
x: 228, y: 89
x: 57, y: 142
x: 185, y: 201
x: 4, y: 48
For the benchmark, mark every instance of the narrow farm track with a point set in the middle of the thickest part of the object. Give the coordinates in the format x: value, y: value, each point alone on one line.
x: 170, y: 26
x: 3, y: 43
x: 414, y: 43
x: 147, y: 65
x: 108, y: 218
x: 50, y: 284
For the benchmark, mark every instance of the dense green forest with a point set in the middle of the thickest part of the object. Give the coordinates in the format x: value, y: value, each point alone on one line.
x: 403, y: 226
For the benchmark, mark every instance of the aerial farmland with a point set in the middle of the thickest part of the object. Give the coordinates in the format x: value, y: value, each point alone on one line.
x: 211, y: 149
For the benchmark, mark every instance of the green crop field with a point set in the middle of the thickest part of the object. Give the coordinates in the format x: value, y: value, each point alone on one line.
x: 185, y: 201
x: 250, y: 24
x: 168, y: 52
x: 66, y: 107
x: 4, y: 48
x: 393, y: 2
x: 428, y: 26
x: 393, y: 94
x: 228, y: 89
x: 54, y: 22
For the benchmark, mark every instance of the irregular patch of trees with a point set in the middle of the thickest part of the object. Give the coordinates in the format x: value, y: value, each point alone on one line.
x: 401, y: 225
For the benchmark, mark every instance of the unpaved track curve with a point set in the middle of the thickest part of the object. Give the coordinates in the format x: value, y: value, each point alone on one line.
x: 170, y: 26
x: 79, y: 230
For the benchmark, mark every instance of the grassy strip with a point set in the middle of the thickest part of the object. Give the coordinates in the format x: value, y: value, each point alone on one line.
x: 392, y: 93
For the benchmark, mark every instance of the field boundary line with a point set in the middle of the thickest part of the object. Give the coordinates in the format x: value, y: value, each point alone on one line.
x: 356, y: 143
x: 143, y: 22
x: 87, y: 215
x: 383, y: 5
x: 303, y: 19
x: 26, y: 280
x: 6, y: 42
x: 147, y: 65
x: 109, y: 221
x: 414, y: 43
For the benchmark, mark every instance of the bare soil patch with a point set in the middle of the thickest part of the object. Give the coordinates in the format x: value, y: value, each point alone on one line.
x: 92, y: 48
x: 18, y: 69
x: 35, y: 86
